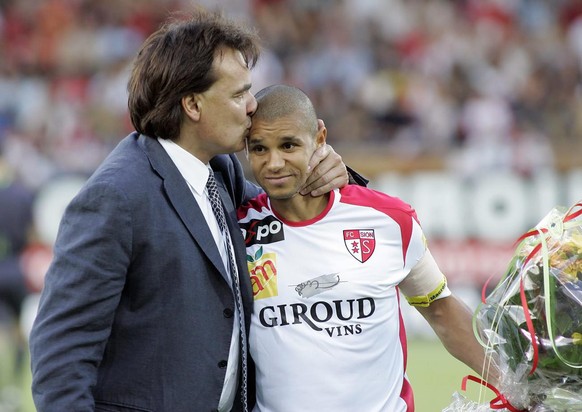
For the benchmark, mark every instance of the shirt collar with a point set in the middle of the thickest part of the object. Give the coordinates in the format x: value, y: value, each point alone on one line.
x: 191, y: 168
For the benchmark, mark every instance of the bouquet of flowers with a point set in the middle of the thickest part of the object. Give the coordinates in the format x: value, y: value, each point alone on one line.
x: 531, y: 323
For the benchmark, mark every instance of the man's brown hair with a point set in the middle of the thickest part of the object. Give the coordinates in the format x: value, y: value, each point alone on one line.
x: 176, y: 61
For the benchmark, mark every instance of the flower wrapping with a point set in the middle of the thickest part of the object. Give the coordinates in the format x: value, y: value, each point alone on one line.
x: 531, y: 322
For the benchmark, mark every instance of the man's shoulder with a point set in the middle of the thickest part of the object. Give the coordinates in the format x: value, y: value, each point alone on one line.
x: 364, y: 196
x: 394, y: 207
x: 127, y: 169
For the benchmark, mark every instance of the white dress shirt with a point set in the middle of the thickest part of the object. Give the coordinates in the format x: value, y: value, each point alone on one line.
x: 196, y: 175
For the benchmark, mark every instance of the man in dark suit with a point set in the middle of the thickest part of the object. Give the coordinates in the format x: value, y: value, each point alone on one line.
x: 139, y: 312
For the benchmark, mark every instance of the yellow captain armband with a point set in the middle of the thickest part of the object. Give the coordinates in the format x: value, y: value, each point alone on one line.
x: 425, y: 300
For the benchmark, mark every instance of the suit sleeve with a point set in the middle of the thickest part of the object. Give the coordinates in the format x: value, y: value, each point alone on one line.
x: 354, y: 178
x: 240, y: 189
x: 82, y: 290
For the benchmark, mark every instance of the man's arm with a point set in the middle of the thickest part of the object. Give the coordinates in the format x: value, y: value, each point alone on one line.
x: 452, y: 321
x: 79, y: 299
x: 328, y: 171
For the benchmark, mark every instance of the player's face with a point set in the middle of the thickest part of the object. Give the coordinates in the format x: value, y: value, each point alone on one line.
x: 279, y: 153
x: 226, y: 107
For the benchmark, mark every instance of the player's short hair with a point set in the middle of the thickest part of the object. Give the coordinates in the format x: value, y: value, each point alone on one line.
x: 280, y: 100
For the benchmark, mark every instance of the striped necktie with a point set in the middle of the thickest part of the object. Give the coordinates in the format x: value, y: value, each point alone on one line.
x: 220, y: 217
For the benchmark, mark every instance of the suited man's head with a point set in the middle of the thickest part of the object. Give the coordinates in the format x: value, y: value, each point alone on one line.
x: 185, y: 71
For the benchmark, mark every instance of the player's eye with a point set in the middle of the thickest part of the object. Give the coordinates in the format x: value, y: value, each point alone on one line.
x: 257, y: 149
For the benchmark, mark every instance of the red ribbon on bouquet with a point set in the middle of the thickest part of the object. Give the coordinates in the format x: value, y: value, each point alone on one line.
x: 499, y: 402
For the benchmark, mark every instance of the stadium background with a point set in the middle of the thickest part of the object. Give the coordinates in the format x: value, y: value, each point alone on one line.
x: 470, y: 110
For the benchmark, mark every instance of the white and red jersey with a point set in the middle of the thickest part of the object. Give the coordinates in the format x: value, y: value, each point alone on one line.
x: 327, y: 332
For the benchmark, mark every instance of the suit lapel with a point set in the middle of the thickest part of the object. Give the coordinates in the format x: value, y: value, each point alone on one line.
x: 183, y: 201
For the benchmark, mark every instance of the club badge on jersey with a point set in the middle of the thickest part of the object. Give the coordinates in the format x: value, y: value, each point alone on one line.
x: 360, y: 243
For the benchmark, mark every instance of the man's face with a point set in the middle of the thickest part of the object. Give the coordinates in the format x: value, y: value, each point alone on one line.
x: 279, y: 154
x: 226, y: 107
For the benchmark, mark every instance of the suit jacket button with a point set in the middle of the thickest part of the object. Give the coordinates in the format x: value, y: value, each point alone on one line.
x: 228, y: 313
x: 222, y: 364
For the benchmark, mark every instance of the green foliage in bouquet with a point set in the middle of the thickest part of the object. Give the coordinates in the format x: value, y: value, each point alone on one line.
x: 531, y: 322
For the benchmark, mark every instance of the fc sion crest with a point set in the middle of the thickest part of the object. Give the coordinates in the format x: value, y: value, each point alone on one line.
x: 360, y: 243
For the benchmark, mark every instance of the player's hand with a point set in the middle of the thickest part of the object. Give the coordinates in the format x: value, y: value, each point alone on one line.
x: 328, y: 171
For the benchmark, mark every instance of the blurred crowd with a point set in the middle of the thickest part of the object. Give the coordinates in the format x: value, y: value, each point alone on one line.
x: 495, y: 80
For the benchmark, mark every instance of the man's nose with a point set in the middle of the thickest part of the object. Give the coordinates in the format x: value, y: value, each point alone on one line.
x: 276, y: 161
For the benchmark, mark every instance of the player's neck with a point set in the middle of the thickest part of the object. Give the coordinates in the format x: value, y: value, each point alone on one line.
x: 300, y: 208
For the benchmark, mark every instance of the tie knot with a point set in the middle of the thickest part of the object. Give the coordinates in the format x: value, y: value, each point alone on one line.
x: 211, y: 182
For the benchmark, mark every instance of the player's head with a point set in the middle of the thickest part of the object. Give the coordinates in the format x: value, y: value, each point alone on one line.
x: 283, y: 136
x: 185, y: 58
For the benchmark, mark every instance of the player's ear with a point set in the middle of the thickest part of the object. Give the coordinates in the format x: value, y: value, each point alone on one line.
x: 321, y: 136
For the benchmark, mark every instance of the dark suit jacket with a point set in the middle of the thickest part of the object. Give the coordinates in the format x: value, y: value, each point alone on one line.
x: 136, y: 314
